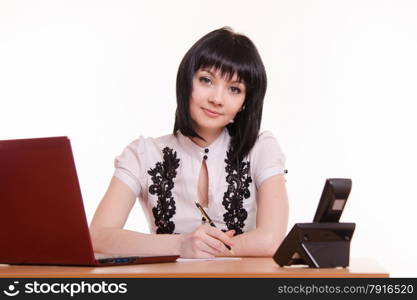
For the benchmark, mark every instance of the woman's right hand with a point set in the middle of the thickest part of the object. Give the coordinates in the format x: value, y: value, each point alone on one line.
x: 205, y: 242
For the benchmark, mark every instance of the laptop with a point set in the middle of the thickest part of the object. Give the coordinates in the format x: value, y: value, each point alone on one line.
x: 42, y: 217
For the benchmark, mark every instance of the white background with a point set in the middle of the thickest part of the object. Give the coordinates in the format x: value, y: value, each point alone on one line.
x: 342, y: 86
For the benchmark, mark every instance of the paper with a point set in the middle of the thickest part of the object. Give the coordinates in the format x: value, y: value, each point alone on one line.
x: 207, y: 259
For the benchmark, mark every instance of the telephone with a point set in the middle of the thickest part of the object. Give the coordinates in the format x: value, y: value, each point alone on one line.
x: 325, y: 243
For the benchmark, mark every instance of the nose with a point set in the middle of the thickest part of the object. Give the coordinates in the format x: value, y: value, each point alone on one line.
x: 217, y: 97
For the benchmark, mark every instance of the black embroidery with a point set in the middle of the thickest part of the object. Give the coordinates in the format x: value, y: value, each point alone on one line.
x: 238, y: 179
x: 163, y: 181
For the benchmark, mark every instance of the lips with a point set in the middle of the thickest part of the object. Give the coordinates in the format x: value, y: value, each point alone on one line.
x: 211, y: 113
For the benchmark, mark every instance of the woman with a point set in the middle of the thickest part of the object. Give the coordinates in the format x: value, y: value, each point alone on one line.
x: 215, y: 157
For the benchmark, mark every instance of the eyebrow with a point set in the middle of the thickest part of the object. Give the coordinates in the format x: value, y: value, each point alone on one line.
x: 212, y: 74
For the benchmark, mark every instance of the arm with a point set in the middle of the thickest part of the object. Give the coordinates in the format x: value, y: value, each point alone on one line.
x: 109, y: 237
x: 271, y: 221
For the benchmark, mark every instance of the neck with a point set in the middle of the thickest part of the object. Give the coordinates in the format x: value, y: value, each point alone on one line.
x: 209, y: 136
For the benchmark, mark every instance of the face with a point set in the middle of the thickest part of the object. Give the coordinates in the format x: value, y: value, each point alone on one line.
x: 215, y: 100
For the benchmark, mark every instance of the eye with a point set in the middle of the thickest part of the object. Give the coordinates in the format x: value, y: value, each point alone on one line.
x: 204, y: 80
x: 235, y: 90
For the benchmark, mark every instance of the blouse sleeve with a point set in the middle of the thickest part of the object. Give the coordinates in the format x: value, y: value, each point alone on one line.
x: 268, y: 159
x: 130, y: 165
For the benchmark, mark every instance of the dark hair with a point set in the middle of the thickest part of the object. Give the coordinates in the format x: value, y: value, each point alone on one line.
x: 231, y: 53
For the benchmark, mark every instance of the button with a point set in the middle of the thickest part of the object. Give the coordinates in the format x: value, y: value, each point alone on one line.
x: 206, y: 150
x: 205, y: 156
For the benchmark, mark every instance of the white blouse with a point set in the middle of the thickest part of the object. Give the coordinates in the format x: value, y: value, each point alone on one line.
x: 163, y: 173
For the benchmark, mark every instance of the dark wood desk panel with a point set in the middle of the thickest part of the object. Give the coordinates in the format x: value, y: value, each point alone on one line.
x: 246, y: 267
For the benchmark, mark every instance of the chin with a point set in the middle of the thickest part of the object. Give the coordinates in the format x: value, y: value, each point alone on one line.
x: 211, y: 125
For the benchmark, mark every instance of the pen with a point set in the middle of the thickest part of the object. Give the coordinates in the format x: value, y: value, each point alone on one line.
x: 205, y: 216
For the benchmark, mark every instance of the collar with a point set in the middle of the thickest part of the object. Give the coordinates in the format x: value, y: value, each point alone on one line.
x: 218, y: 146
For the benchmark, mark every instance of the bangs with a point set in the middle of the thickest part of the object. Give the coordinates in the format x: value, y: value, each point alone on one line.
x: 230, y: 60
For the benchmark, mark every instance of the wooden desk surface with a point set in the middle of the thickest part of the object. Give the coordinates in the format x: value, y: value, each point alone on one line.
x: 246, y: 267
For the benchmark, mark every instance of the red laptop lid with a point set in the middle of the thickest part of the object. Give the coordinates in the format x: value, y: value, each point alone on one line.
x: 42, y: 218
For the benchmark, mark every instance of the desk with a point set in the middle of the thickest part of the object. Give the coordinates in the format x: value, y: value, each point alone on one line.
x: 248, y: 267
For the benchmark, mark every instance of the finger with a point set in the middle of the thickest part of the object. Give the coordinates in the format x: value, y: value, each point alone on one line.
x: 203, y: 254
x: 214, y: 243
x: 220, y: 235
x: 202, y: 246
x: 231, y: 233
